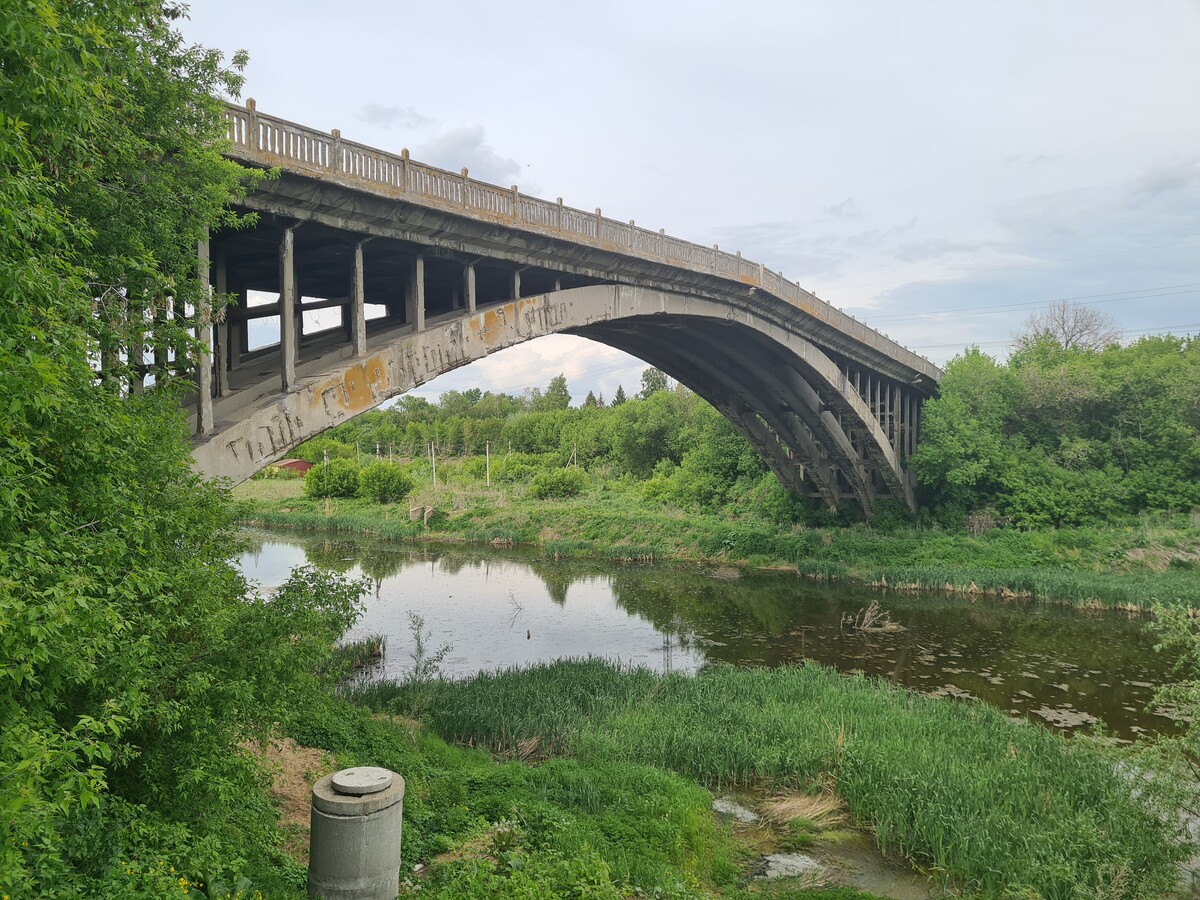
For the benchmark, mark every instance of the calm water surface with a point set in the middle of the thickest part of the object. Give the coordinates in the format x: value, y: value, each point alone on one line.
x: 1062, y: 667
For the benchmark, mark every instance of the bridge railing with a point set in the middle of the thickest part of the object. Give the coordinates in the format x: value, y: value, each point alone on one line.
x: 277, y: 142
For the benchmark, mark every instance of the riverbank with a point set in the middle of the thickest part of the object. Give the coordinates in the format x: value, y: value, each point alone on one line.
x: 1135, y: 566
x: 600, y: 781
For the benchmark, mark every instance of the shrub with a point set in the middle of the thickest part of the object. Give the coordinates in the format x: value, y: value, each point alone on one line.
x: 383, y: 482
x: 557, y: 483
x: 338, y: 479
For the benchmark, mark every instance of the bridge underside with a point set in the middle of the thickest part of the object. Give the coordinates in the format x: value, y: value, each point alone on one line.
x: 825, y: 426
x: 365, y: 274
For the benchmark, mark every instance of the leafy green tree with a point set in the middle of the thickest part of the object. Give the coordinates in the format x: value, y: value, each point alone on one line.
x: 653, y: 381
x: 556, y: 395
x: 132, y: 658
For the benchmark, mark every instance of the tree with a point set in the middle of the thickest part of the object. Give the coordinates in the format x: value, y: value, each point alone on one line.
x: 132, y: 658
x: 619, y: 396
x: 556, y: 395
x: 590, y: 400
x: 653, y: 381
x: 1072, y: 326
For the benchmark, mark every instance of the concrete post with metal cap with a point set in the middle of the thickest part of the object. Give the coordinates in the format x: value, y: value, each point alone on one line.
x: 354, y: 846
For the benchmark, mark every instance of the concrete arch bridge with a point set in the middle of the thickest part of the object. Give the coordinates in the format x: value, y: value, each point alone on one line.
x: 426, y: 270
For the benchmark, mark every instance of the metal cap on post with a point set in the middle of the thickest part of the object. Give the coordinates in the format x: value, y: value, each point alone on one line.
x: 354, y: 846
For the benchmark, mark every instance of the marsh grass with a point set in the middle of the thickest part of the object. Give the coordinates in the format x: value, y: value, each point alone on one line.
x: 956, y: 787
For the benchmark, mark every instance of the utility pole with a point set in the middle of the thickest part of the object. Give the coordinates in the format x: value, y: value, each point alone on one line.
x: 487, y: 449
x: 433, y: 460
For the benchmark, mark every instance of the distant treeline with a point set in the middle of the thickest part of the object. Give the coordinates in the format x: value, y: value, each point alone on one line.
x: 1053, y: 436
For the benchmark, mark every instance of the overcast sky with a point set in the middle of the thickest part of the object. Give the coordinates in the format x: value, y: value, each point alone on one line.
x: 938, y: 169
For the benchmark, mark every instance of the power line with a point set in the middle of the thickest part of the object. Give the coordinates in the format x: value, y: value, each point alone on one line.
x: 1044, y: 262
x: 1085, y: 299
x: 1132, y: 332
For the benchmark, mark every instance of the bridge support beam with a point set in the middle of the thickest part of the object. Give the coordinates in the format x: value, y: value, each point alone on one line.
x: 358, y: 305
x: 287, y: 308
x: 469, y: 286
x: 222, y: 325
x: 414, y: 301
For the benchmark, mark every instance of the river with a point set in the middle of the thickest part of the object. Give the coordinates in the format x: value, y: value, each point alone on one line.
x: 1062, y: 667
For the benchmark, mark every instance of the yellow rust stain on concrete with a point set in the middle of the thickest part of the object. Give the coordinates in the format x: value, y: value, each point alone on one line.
x: 359, y: 385
x: 494, y: 324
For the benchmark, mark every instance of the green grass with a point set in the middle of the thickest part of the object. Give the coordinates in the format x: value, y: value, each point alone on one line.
x: 1148, y: 561
x: 509, y: 829
x: 959, y: 788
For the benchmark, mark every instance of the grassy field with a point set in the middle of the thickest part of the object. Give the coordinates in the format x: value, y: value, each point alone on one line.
x: 1134, y: 566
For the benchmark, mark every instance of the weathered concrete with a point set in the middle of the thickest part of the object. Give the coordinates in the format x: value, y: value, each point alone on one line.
x: 762, y: 359
x: 354, y: 850
x: 428, y: 269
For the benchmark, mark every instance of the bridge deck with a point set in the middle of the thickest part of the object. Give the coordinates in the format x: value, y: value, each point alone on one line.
x: 268, y: 141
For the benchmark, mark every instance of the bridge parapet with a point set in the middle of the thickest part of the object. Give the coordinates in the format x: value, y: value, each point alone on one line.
x: 265, y: 140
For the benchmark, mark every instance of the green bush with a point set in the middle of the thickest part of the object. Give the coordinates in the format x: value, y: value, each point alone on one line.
x: 338, y: 479
x: 557, y: 483
x: 382, y: 482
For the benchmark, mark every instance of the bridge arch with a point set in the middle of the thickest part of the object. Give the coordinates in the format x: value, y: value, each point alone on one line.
x: 816, y: 429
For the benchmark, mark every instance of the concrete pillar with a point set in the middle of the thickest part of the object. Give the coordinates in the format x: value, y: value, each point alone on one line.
x: 516, y: 285
x: 236, y: 331
x: 287, y: 308
x: 896, y: 419
x: 221, y: 327
x: 358, y: 301
x: 354, y: 849
x: 204, y: 397
x: 469, y: 286
x: 887, y: 414
x: 414, y: 303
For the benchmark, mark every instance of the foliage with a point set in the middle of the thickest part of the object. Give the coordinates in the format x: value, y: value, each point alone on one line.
x: 133, y: 660
x: 653, y: 381
x: 1008, y: 808
x: 557, y: 483
x: 338, y: 478
x: 383, y: 482
x: 1065, y: 436
x: 556, y: 395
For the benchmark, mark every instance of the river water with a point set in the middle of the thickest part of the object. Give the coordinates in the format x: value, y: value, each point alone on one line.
x: 1064, y: 668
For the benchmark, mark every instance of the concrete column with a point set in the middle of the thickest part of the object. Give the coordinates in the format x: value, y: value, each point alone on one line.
x: 354, y: 849
x: 358, y: 301
x: 221, y: 327
x: 516, y: 285
x: 887, y: 414
x: 287, y: 307
x: 414, y: 303
x: 204, y: 397
x: 469, y: 286
x: 236, y: 330
x: 895, y: 399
